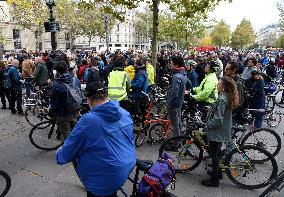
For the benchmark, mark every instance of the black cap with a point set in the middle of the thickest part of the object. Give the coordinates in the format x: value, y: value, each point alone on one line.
x: 94, y: 88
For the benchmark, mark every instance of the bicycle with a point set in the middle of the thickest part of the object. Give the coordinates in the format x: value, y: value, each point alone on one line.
x: 238, y: 163
x: 45, y: 136
x: 155, y: 134
x: 37, y: 107
x: 277, y: 184
x: 5, y: 184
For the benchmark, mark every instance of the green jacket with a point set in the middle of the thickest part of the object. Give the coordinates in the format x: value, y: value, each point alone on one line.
x: 207, y: 90
x: 41, y: 74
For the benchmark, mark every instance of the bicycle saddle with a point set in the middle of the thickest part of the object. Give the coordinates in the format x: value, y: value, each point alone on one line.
x: 144, y: 165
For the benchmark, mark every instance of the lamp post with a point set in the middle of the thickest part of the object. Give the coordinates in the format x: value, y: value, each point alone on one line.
x: 50, y: 4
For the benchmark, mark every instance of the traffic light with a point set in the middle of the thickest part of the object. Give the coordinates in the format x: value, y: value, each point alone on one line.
x: 52, y: 26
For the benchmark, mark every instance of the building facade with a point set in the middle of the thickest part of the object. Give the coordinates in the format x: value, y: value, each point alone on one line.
x: 268, y: 35
x: 14, y: 37
x: 122, y: 36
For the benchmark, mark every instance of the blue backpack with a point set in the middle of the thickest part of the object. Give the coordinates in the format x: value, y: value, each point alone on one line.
x: 156, y: 180
x: 86, y: 73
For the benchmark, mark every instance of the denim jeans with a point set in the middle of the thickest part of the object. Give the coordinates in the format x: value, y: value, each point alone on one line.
x: 175, y: 118
x: 28, y: 87
x: 16, y: 96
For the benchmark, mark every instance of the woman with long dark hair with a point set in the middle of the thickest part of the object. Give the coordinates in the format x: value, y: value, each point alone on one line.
x: 219, y: 125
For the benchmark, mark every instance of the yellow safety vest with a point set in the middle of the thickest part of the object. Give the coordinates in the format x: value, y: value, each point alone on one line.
x: 117, y: 85
x: 151, y: 74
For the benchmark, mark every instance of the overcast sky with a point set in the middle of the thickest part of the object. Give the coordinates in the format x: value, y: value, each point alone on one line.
x: 259, y: 12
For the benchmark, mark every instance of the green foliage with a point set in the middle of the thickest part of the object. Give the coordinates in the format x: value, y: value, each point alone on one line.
x: 281, y: 14
x: 244, y: 35
x: 280, y: 42
x: 221, y: 34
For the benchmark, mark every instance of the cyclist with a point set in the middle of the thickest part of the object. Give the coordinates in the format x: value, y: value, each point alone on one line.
x: 176, y: 93
x: 118, y: 82
x: 219, y: 125
x: 65, y: 119
x: 206, y: 92
x: 102, y: 144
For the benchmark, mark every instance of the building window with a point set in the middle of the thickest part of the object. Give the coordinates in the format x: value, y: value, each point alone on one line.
x: 117, y: 45
x: 125, y: 38
x: 17, y: 44
x: 110, y: 45
x: 68, y: 45
x: 125, y: 45
x: 117, y: 27
x: 110, y: 39
x: 129, y: 38
x: 117, y: 38
x: 67, y: 36
x: 125, y: 28
x: 16, y: 34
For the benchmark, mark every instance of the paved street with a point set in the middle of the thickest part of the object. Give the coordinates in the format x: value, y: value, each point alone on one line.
x: 34, y: 173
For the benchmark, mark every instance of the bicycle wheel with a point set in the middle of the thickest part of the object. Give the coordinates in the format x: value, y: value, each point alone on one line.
x: 278, y: 98
x: 34, y: 115
x: 157, y: 132
x: 5, y: 183
x: 47, y: 138
x: 141, y: 135
x: 277, y: 184
x: 264, y: 138
x: 244, y: 170
x: 186, y: 153
x: 274, y: 119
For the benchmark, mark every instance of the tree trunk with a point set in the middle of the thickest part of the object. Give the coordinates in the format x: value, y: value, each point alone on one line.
x: 155, y: 34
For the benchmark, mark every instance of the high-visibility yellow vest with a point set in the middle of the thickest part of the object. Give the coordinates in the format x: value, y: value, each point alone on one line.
x: 117, y: 85
x: 151, y: 74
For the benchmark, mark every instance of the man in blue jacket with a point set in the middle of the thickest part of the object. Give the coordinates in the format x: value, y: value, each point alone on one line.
x: 176, y: 93
x: 101, y: 144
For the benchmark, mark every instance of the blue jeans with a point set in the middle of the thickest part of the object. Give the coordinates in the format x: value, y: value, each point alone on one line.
x: 175, y: 118
x: 28, y: 87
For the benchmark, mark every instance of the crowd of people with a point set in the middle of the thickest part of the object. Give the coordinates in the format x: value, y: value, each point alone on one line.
x: 101, y: 143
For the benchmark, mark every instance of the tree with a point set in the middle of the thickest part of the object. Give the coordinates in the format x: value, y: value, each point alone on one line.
x: 221, y: 34
x: 280, y: 42
x: 281, y: 14
x: 243, y: 35
x: 206, y: 41
x: 29, y: 14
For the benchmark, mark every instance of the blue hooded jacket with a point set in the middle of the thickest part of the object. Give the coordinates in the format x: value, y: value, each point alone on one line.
x: 139, y: 84
x: 102, y: 143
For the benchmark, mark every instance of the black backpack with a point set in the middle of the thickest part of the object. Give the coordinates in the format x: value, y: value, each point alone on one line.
x: 74, y: 97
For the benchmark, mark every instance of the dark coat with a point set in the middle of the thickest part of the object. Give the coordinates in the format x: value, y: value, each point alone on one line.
x: 176, y: 91
x: 59, y: 95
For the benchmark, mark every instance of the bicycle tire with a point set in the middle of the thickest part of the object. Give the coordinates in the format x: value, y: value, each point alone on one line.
x: 159, y: 132
x: 260, y: 144
x: 181, y: 141
x: 33, y: 111
x: 274, y: 185
x: 140, y: 137
x: 8, y: 183
x: 277, y: 102
x: 50, y: 132
x: 230, y: 172
x: 270, y: 119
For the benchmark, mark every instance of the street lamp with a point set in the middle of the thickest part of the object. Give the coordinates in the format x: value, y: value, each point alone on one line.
x: 51, y: 4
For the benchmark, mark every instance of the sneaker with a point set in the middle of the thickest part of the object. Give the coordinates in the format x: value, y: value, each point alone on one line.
x: 210, y: 183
